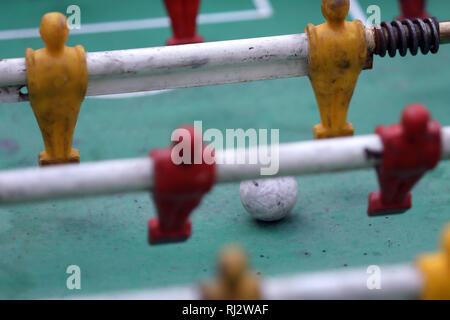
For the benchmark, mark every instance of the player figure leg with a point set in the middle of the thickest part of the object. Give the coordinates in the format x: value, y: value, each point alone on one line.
x: 183, y: 19
x: 412, y: 9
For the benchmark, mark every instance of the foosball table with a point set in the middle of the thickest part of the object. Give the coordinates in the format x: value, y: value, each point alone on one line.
x: 93, y: 204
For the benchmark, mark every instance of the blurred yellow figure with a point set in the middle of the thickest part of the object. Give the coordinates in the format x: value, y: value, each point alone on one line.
x: 235, y: 281
x: 57, y: 82
x: 337, y: 54
x: 436, y: 271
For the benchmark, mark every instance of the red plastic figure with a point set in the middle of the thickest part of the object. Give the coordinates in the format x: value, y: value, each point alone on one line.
x: 412, y: 9
x: 409, y: 150
x: 178, y: 190
x: 183, y: 18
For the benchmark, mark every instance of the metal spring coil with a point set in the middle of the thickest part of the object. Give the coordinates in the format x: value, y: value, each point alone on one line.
x: 407, y: 35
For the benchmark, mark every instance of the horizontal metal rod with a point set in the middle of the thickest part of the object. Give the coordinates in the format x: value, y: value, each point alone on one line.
x: 192, y: 65
x: 135, y: 70
x: 72, y: 181
x: 122, y: 176
x: 396, y: 282
x: 445, y: 32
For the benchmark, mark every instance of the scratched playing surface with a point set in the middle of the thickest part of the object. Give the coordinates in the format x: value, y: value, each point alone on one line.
x: 106, y: 236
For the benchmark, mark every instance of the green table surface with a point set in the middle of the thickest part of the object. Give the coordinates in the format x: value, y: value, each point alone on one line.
x: 106, y: 236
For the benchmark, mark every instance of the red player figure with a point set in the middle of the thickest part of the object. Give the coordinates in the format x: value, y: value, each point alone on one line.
x: 412, y: 9
x: 178, y: 189
x: 183, y: 18
x: 409, y: 150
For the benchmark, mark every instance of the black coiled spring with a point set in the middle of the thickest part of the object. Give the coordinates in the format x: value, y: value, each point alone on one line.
x: 403, y: 35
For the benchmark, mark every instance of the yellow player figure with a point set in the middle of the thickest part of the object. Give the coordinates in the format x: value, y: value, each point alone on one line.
x: 337, y: 55
x: 235, y: 282
x: 57, y: 82
x: 436, y: 271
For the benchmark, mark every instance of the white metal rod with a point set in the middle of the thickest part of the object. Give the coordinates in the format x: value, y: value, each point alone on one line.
x: 63, y: 181
x: 135, y: 70
x: 119, y: 176
x: 396, y: 282
x: 301, y: 158
x: 170, y: 67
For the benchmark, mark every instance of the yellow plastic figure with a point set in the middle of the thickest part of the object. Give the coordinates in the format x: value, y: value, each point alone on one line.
x: 436, y: 271
x: 337, y: 54
x: 57, y: 82
x: 235, y: 282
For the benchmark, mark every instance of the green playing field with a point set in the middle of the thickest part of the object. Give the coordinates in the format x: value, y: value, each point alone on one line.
x: 106, y: 236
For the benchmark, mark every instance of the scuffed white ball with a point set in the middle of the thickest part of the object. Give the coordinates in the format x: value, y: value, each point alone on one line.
x: 269, y: 199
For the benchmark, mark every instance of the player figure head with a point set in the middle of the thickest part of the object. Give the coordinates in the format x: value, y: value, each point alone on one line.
x: 415, y: 120
x: 54, y: 30
x: 232, y: 264
x: 335, y: 11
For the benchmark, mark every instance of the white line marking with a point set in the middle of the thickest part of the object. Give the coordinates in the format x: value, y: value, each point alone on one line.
x: 131, y: 94
x: 263, y: 10
x: 357, y: 12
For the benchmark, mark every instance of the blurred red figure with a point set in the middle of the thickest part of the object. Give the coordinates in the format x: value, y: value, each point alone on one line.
x: 410, y: 149
x: 183, y: 18
x: 178, y: 189
x: 412, y: 9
